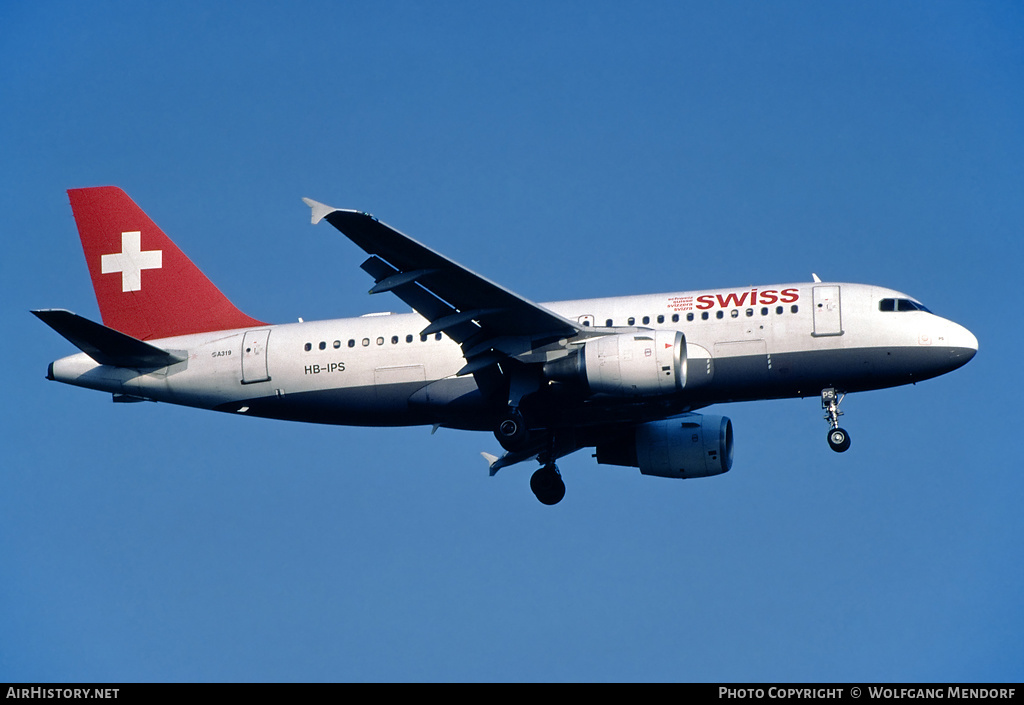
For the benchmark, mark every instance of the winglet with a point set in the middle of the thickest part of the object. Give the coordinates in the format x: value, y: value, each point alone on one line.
x: 320, y: 210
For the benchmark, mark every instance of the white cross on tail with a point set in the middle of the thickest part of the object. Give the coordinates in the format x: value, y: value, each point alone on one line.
x: 131, y: 260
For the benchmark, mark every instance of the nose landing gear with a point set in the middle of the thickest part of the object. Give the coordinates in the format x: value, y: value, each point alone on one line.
x: 838, y: 439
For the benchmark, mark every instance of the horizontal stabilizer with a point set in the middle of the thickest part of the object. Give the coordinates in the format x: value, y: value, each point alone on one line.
x: 495, y: 463
x: 491, y: 460
x: 106, y: 345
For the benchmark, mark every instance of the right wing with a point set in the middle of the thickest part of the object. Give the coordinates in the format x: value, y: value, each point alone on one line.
x: 490, y: 322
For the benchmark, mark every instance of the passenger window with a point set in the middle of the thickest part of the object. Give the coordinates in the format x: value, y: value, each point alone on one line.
x: 779, y: 310
x: 689, y: 317
x: 394, y: 340
x: 630, y: 321
x: 794, y: 308
x: 608, y: 323
x: 750, y: 312
x: 337, y: 344
x: 423, y: 338
x: 704, y: 316
x: 308, y: 347
x: 352, y: 342
x: 646, y: 319
x: 408, y: 338
x: 366, y: 341
x: 380, y: 341
x: 661, y: 319
x: 675, y: 317
x: 734, y: 313
x: 323, y: 345
x: 720, y: 314
x: 437, y: 336
x: 764, y: 310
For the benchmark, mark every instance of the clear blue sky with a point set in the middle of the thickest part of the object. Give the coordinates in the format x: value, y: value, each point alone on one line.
x: 565, y: 150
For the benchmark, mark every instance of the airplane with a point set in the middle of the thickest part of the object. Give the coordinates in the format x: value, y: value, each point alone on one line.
x: 622, y: 375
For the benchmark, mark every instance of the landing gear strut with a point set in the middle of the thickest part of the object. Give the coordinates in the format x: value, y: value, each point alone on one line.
x: 838, y: 439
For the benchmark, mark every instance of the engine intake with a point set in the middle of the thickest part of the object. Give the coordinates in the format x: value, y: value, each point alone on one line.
x: 691, y: 445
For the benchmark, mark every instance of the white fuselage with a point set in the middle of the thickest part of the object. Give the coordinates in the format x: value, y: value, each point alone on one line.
x: 751, y: 343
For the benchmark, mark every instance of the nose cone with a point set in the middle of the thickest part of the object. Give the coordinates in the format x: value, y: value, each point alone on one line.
x: 961, y: 343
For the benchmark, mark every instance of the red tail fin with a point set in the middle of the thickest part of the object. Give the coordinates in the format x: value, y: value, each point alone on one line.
x: 146, y: 287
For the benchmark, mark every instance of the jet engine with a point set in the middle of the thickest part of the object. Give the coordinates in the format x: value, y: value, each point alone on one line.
x: 691, y: 445
x: 647, y: 363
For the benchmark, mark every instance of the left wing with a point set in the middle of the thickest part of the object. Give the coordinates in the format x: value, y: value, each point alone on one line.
x: 490, y: 322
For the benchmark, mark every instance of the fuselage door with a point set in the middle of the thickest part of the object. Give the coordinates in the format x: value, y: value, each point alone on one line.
x: 827, y: 317
x: 254, y: 356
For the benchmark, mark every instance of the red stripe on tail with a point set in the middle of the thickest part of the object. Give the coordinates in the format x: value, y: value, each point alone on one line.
x: 145, y: 286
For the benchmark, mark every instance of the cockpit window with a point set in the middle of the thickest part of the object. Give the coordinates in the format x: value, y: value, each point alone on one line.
x: 900, y: 305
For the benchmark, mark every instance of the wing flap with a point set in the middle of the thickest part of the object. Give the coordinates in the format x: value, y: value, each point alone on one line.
x: 396, y: 280
x: 421, y: 300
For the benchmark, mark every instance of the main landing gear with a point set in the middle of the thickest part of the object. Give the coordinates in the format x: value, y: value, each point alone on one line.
x: 838, y: 439
x: 514, y: 435
x: 547, y: 484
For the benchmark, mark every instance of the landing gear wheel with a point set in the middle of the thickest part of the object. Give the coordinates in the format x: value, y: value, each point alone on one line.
x: 838, y: 440
x: 547, y: 484
x: 512, y: 432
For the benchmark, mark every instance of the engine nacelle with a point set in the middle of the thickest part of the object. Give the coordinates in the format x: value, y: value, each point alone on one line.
x: 691, y: 445
x: 648, y: 363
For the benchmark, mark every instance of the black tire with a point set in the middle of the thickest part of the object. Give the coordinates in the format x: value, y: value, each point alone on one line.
x: 838, y: 440
x: 547, y: 485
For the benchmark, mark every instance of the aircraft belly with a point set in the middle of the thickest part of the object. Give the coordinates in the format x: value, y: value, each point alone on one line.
x: 391, y: 380
x: 370, y: 405
x: 807, y: 372
x: 741, y: 364
x: 457, y: 402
